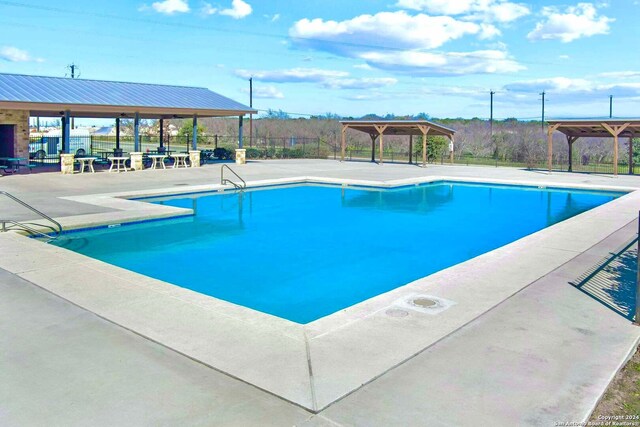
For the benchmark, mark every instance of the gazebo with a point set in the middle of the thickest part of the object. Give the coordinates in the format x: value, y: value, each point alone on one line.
x: 598, y: 128
x: 377, y: 129
x: 24, y: 96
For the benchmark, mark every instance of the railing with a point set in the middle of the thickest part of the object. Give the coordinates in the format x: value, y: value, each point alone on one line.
x: 225, y: 181
x: 27, y: 226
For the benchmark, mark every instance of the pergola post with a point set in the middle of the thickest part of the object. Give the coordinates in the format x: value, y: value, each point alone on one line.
x: 66, y: 139
x: 425, y: 131
x: 343, y: 144
x: 118, y: 133
x: 615, y: 131
x: 194, y: 138
x: 631, y: 155
x: 373, y: 146
x: 451, y: 147
x: 136, y: 133
x: 570, y: 141
x: 240, y: 131
x: 550, y: 131
x: 381, y: 130
x: 410, y: 149
x: 161, y: 133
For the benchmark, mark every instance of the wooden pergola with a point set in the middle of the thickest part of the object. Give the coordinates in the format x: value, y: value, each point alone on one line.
x: 377, y: 129
x: 594, y: 128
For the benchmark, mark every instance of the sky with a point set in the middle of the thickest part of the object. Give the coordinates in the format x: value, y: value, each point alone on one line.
x: 347, y: 57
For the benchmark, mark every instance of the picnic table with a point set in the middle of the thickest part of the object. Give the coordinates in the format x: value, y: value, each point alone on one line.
x: 86, y: 163
x: 158, y: 159
x: 14, y: 163
x: 118, y: 163
x: 180, y: 160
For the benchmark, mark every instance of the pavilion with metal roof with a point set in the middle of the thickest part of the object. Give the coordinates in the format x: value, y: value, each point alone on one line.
x: 377, y: 129
x: 594, y: 128
x: 64, y: 97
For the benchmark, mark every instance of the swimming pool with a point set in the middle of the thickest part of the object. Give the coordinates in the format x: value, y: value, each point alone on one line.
x: 304, y: 252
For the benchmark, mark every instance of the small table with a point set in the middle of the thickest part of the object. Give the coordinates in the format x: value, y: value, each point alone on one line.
x: 118, y: 163
x: 180, y: 160
x: 158, y: 159
x: 86, y: 162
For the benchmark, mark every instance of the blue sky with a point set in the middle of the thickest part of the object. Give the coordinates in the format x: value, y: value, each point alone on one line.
x: 349, y: 57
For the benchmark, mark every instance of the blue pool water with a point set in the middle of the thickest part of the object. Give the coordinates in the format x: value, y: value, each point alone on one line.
x: 307, y: 251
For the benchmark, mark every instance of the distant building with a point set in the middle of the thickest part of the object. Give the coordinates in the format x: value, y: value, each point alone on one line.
x: 105, y: 131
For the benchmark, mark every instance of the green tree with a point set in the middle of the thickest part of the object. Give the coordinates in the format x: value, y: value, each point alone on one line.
x: 187, y: 128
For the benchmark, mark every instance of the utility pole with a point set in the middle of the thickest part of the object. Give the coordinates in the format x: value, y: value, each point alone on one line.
x: 610, y: 106
x: 491, y: 93
x: 543, y: 94
x: 73, y: 67
x: 251, y: 114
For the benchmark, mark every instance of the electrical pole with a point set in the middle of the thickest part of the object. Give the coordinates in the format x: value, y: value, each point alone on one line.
x: 251, y: 114
x: 543, y: 94
x: 491, y: 93
x: 610, y: 106
x: 73, y: 67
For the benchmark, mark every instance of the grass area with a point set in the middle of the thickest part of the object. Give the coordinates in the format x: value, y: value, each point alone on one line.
x: 622, y: 398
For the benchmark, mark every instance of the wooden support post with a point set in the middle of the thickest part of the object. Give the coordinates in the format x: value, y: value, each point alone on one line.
x: 631, y: 155
x: 615, y: 155
x: 451, y: 148
x: 615, y: 131
x: 373, y: 137
x: 425, y: 131
x: 410, y: 149
x: 550, y: 131
x: 570, y: 141
x: 381, y: 129
x: 343, y: 145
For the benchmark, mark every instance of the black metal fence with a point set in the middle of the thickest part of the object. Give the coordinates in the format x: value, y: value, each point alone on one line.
x: 45, y: 150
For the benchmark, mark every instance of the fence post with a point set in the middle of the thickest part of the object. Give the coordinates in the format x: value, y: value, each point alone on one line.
x: 303, y: 144
x: 318, y: 147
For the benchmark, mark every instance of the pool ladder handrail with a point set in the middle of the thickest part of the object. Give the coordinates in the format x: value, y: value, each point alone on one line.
x: 225, y: 181
x: 27, y: 226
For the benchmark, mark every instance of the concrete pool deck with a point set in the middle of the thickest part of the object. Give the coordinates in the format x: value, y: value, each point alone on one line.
x: 398, y: 359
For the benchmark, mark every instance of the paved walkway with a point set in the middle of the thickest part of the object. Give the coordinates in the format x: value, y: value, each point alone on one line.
x: 544, y: 355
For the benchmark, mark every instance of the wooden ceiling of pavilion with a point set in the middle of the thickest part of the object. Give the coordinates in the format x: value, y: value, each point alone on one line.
x: 593, y: 128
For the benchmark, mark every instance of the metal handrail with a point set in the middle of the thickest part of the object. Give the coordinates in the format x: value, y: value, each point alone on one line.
x: 57, y: 226
x: 224, y: 181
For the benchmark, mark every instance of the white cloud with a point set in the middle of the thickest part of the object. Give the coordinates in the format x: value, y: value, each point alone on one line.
x: 329, y: 79
x: 574, y: 23
x: 13, y: 54
x: 359, y: 83
x: 444, y: 64
x: 621, y: 75
x: 397, y: 41
x: 169, y: 7
x: 239, y: 9
x: 294, y: 75
x: 265, y: 92
x: 398, y: 30
x: 562, y: 89
x: 207, y: 9
x: 483, y: 10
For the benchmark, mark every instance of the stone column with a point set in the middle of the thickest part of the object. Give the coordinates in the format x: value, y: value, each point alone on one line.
x: 66, y: 164
x: 194, y: 158
x: 136, y: 161
x: 241, y: 156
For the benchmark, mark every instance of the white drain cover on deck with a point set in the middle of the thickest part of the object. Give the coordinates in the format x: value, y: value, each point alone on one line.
x: 427, y: 304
